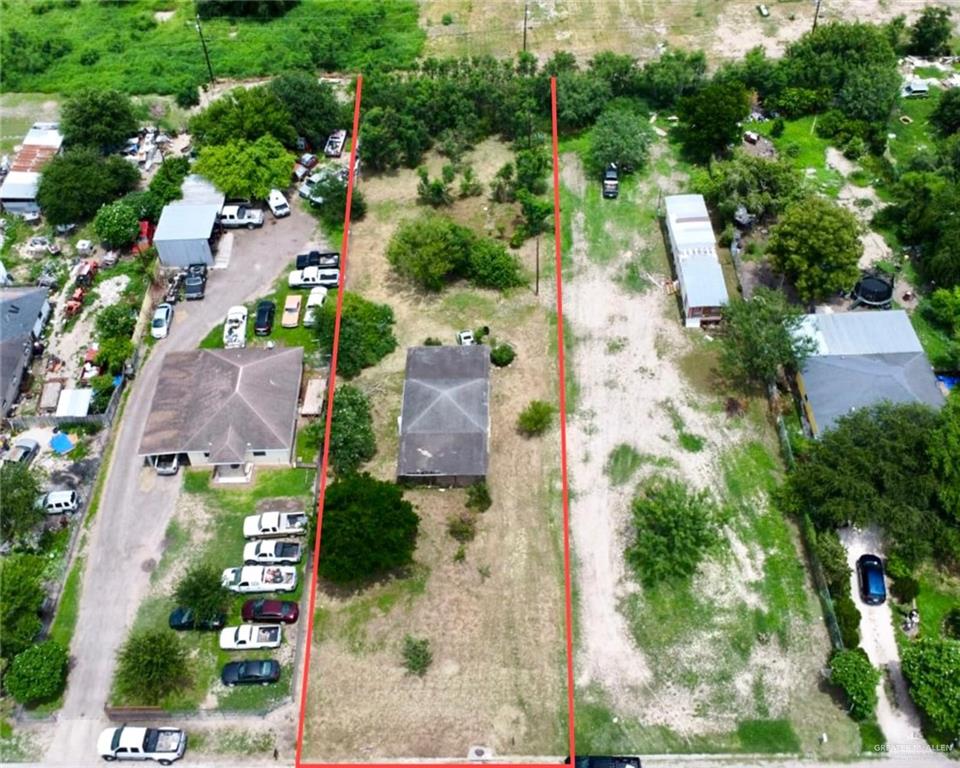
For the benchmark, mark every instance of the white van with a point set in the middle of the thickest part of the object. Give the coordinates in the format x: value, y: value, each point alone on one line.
x: 278, y: 204
x: 59, y: 502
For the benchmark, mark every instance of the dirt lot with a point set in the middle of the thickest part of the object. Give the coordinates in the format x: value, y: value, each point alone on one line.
x: 494, y: 621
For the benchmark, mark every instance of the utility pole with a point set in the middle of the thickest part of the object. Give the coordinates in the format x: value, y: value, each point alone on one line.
x: 816, y: 15
x: 536, y: 290
x: 206, y: 54
x: 526, y: 8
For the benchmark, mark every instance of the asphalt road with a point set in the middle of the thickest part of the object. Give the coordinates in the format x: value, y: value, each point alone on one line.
x: 126, y: 538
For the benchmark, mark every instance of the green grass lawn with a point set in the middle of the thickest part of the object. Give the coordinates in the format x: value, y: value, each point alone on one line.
x: 306, y: 449
x: 938, y: 595
x: 55, y: 48
x: 801, y: 145
x: 917, y: 135
x: 222, y: 548
x: 936, y: 342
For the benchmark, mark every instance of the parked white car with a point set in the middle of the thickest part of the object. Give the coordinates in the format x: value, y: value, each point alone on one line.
x: 235, y: 328
x: 311, y: 276
x: 162, y: 320
x: 278, y: 204
x: 249, y: 637
x: 236, y: 216
x: 272, y: 525
x: 258, y: 578
x: 59, y: 502
x: 165, y: 745
x: 272, y: 552
x: 315, y: 301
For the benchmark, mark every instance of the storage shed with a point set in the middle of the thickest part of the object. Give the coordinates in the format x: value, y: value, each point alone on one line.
x: 185, y: 233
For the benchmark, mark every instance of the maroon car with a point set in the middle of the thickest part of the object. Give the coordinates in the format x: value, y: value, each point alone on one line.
x: 270, y: 610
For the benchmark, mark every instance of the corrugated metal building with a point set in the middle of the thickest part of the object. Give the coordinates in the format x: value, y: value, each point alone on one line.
x: 184, y: 234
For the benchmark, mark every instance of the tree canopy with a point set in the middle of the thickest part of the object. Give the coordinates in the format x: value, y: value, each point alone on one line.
x: 366, y: 333
x: 21, y: 595
x: 352, y: 441
x: 313, y: 107
x: 674, y: 75
x: 151, y: 664
x: 75, y: 184
x: 710, y: 118
x: 98, y: 119
x: 930, y: 666
x: 246, y: 114
x: 201, y: 591
x: 117, y: 224
x: 246, y: 170
x: 945, y: 454
x: 619, y: 136
x: 38, y: 673
x: 764, y: 187
x: 816, y: 245
x: 21, y: 489
x: 946, y: 115
x: 369, y: 529
x: 931, y: 32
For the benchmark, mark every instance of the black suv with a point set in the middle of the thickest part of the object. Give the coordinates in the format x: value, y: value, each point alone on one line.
x: 263, y: 324
x: 317, y: 259
x: 195, y: 283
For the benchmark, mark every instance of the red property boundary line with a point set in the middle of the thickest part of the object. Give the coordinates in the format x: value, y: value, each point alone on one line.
x: 568, y: 600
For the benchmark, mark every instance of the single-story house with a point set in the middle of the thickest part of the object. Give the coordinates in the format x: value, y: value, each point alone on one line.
x: 703, y: 290
x: 23, y: 314
x: 184, y: 234
x: 445, y: 418
x: 225, y: 407
x: 861, y: 359
x: 18, y: 193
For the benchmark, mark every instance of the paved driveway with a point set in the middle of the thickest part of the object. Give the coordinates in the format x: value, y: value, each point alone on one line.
x: 126, y: 539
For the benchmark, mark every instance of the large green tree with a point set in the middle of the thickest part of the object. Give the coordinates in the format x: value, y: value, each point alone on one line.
x: 932, y: 667
x: 945, y: 454
x: 117, y: 224
x: 352, y: 441
x: 366, y: 333
x: 369, y: 529
x: 313, y: 106
x: 710, y: 119
x: 246, y: 170
x: 931, y: 32
x: 816, y: 245
x: 764, y: 187
x: 674, y: 75
x: 102, y: 120
x: 946, y: 115
x: 619, y: 136
x: 38, y: 673
x: 152, y: 663
x: 201, y: 591
x: 21, y: 489
x: 246, y: 114
x: 21, y: 595
x: 392, y: 138
x: 75, y: 184
x: 852, y: 671
x: 760, y: 337
x: 869, y: 93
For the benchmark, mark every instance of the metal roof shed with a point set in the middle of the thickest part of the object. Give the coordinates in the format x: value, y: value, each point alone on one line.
x: 183, y: 234
x: 18, y: 193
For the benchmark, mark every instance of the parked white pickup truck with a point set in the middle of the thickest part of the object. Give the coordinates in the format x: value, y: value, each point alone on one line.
x: 272, y: 552
x: 235, y: 216
x: 309, y: 277
x: 272, y: 525
x: 235, y: 328
x: 258, y: 578
x: 250, y: 636
x: 129, y: 743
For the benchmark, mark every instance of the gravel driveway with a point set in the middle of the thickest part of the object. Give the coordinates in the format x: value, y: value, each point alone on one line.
x: 126, y: 539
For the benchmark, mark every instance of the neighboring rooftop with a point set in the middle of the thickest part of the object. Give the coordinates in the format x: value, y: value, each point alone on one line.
x: 445, y: 421
x: 689, y: 225
x: 19, y: 309
x: 198, y: 191
x: 861, y: 333
x: 20, y: 185
x: 703, y: 281
x: 42, y: 142
x: 225, y: 402
x: 187, y: 222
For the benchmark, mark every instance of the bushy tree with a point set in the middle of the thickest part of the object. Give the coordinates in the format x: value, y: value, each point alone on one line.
x: 112, y: 355
x: 75, y: 184
x: 760, y: 337
x: 38, y: 673
x: 945, y: 455
x: 946, y: 115
x: 764, y: 187
x: 580, y: 97
x: 392, y: 138
x: 244, y: 114
x: 352, y: 441
x: 369, y: 529
x: 869, y: 93
x: 102, y: 120
x: 710, y: 119
x: 816, y: 245
x: 145, y: 204
x: 246, y: 170
x: 257, y: 9
x: 21, y: 489
x: 200, y: 590
x: 531, y: 170
x: 333, y: 209
x: 116, y: 321
x: 535, y: 212
x: 21, y: 596
x: 535, y: 419
x: 117, y: 224
x: 313, y: 106
x: 852, y: 671
x: 167, y: 182
x: 620, y: 137
x: 674, y: 528
x: 435, y: 192
x: 366, y: 333
x: 931, y: 32
x: 618, y: 71
x: 151, y: 664
x: 674, y: 75
x: 930, y: 666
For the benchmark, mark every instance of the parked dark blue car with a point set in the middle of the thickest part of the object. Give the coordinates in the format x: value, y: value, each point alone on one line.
x: 873, y: 590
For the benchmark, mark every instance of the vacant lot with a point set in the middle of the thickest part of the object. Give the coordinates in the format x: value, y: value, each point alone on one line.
x: 494, y: 620
x: 729, y: 662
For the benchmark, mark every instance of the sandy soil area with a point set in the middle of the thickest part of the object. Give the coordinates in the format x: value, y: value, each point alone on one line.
x: 495, y: 620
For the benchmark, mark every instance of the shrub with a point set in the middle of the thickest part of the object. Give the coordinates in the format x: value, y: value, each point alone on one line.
x: 366, y: 333
x: 776, y: 130
x: 168, y: 179
x: 432, y: 341
x: 502, y: 355
x: 905, y: 589
x: 470, y: 186
x: 535, y: 418
x: 674, y: 529
x: 462, y: 527
x: 187, y: 96
x: 417, y: 656
x: 951, y: 623
x: 352, y: 441
x: 848, y: 619
x: 491, y: 266
x: 151, y: 664
x: 478, y: 497
x: 852, y: 671
x: 833, y: 559
x: 117, y: 224
x: 930, y: 666
x: 38, y: 673
x: 115, y: 322
x: 21, y: 590
x: 446, y: 19
x: 113, y: 353
x: 433, y: 192
x: 201, y: 590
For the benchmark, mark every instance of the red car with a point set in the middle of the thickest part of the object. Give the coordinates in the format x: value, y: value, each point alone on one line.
x: 285, y: 611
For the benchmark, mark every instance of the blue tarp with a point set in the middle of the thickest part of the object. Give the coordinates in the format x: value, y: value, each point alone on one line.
x: 950, y: 382
x: 61, y: 444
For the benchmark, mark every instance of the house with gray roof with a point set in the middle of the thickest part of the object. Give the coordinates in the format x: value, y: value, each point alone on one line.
x: 23, y: 314
x: 703, y: 290
x: 225, y: 407
x: 445, y: 418
x: 862, y: 359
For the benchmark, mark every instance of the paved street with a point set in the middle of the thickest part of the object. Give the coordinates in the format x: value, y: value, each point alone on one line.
x: 126, y: 538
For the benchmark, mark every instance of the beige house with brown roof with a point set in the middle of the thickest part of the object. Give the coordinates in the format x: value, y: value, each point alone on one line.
x: 226, y: 407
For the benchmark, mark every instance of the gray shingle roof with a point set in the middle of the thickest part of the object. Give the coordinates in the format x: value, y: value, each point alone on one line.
x: 19, y: 308
x: 445, y: 422
x: 225, y: 402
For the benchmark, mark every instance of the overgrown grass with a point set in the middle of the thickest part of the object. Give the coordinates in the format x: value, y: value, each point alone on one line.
x: 65, y: 620
x: 935, y: 341
x: 916, y: 136
x: 125, y: 46
x: 871, y: 736
x: 938, y: 595
x: 306, y: 450
x: 801, y: 145
x: 625, y: 460
x: 688, y: 441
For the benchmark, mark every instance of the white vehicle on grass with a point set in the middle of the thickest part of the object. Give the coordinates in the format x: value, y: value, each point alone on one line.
x: 308, y: 277
x: 272, y: 552
x: 258, y: 578
x: 315, y: 302
x: 235, y: 328
x: 248, y: 637
x: 272, y: 525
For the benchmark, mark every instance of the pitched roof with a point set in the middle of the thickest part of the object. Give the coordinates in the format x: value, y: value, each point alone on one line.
x: 224, y: 402
x: 181, y: 221
x: 19, y: 308
x: 862, y: 359
x: 445, y: 421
